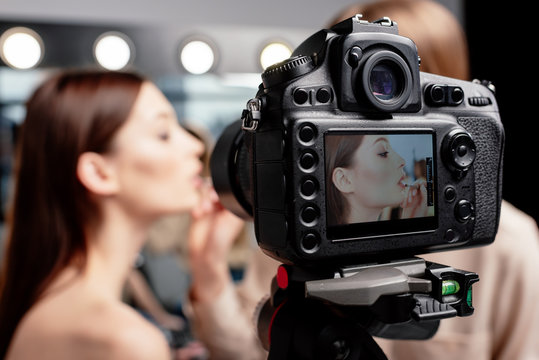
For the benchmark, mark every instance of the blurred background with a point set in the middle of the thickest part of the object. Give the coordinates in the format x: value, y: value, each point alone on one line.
x: 207, y: 57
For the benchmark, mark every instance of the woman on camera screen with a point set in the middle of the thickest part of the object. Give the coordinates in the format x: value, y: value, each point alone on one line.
x: 368, y: 179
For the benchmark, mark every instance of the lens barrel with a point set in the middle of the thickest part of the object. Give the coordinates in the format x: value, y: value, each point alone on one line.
x: 230, y: 171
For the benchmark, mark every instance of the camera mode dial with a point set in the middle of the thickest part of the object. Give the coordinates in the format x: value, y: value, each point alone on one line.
x: 287, y: 70
x: 459, y: 151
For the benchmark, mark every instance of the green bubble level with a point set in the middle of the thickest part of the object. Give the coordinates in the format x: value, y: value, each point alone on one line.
x: 469, y: 297
x: 450, y: 287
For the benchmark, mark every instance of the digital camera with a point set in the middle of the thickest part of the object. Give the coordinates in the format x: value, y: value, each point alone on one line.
x: 348, y: 153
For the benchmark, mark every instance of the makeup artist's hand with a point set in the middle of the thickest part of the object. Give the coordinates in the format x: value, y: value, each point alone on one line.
x: 415, y: 200
x: 212, y: 234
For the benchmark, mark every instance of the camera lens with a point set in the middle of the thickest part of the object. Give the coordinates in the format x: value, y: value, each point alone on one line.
x: 383, y: 82
x: 386, y: 81
x: 230, y: 171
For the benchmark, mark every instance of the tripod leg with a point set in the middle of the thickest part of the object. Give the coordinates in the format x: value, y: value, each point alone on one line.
x: 344, y: 341
x: 310, y: 330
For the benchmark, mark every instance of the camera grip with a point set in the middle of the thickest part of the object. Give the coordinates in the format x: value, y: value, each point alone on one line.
x: 489, y: 138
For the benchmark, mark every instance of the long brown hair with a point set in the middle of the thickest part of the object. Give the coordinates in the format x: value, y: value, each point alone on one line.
x: 69, y: 114
x: 340, y: 151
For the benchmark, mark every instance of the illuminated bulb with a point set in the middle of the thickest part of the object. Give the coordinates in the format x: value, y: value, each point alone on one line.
x: 21, y: 48
x: 274, y: 53
x: 197, y: 57
x: 113, y: 51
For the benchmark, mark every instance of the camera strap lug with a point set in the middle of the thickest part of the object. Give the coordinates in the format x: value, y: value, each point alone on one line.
x: 251, y: 116
x: 385, y: 21
x: 359, y: 18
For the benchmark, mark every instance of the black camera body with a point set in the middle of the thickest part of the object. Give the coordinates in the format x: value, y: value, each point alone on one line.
x: 435, y: 144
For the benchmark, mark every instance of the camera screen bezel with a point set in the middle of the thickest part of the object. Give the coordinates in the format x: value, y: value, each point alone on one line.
x: 367, y: 230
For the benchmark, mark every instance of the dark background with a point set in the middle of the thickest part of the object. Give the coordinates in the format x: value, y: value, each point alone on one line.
x: 502, y: 41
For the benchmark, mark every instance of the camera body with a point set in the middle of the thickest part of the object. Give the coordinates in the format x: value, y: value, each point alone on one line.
x: 424, y: 153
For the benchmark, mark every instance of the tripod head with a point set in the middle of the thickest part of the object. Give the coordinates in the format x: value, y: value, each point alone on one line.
x: 317, y: 315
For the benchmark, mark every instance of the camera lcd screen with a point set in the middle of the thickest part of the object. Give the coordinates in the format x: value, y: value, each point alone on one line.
x: 379, y: 183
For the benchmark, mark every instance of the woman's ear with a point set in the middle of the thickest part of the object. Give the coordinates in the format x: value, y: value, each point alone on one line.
x: 97, y: 174
x: 341, y: 180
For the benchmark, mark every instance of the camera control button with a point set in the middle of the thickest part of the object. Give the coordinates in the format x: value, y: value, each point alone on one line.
x: 457, y: 95
x: 464, y: 210
x: 444, y: 95
x: 437, y: 94
x: 450, y: 194
x: 308, y: 161
x: 479, y: 101
x: 308, y: 188
x: 323, y: 95
x: 463, y: 149
x: 451, y: 236
x: 310, y: 243
x: 307, y: 133
x: 309, y: 215
x: 354, y: 55
x: 301, y: 96
x: 459, y: 150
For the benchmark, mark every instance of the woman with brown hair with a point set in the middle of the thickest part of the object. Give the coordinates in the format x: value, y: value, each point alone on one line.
x: 367, y: 180
x: 100, y: 157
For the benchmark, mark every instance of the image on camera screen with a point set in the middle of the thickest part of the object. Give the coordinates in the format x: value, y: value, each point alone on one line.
x: 379, y: 183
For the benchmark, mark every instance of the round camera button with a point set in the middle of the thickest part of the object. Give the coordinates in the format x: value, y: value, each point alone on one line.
x: 457, y: 95
x: 464, y: 210
x: 301, y: 96
x: 308, y: 161
x: 308, y: 188
x: 310, y: 243
x: 307, y: 134
x: 450, y: 194
x: 451, y: 236
x: 323, y: 96
x: 309, y: 214
x: 437, y: 94
x: 462, y: 150
x: 354, y: 55
x: 459, y: 150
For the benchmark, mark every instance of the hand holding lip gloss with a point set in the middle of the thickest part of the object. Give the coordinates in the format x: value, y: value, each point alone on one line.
x: 415, y: 200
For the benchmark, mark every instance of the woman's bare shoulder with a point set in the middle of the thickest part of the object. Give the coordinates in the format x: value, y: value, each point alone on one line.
x: 110, y: 330
x: 129, y: 336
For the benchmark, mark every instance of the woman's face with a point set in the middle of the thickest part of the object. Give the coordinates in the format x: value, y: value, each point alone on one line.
x: 376, y: 174
x: 157, y: 162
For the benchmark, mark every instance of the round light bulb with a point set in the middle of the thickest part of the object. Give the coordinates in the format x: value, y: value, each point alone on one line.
x: 197, y: 57
x: 21, y: 48
x: 113, y: 51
